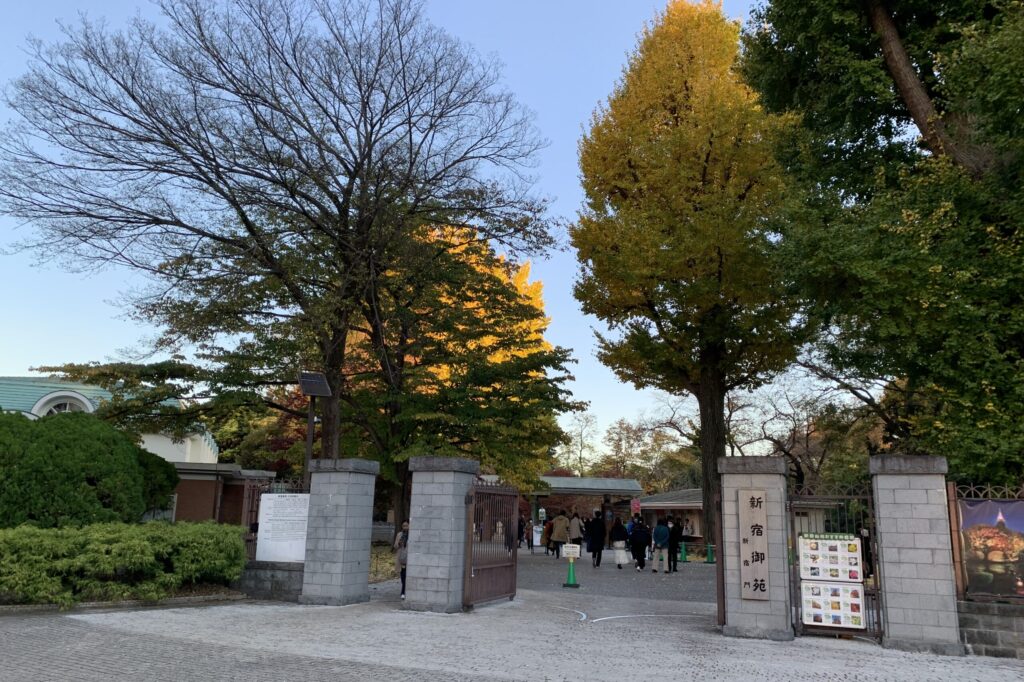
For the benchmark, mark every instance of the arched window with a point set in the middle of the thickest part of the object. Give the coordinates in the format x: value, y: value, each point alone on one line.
x: 64, y: 406
x: 59, y: 402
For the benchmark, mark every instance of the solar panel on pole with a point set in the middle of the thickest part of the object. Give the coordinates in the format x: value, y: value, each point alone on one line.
x: 314, y: 384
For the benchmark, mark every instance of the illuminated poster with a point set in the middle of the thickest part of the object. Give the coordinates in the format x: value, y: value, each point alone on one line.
x: 834, y: 605
x: 993, y: 546
x: 832, y: 557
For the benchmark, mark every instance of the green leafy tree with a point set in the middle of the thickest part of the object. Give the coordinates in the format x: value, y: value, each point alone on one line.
x: 266, y: 164
x: 677, y: 241
x: 913, y: 271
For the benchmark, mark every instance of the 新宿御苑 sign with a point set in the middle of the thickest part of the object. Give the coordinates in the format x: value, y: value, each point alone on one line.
x: 753, y: 536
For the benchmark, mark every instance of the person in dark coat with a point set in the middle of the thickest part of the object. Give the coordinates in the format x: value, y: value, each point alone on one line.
x: 595, y: 537
x: 675, y: 539
x: 640, y: 542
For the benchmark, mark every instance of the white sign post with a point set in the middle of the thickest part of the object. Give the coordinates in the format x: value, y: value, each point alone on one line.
x: 282, y: 528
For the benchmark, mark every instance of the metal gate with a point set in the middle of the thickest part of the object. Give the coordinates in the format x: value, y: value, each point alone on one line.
x: 492, y: 515
x: 832, y: 519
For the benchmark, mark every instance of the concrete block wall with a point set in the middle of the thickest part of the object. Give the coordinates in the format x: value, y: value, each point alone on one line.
x: 915, y: 562
x: 276, y: 580
x: 437, y: 532
x: 337, y: 566
x: 771, y: 619
x: 990, y: 629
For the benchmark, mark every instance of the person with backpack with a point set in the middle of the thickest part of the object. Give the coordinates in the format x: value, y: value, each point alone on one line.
x: 640, y: 542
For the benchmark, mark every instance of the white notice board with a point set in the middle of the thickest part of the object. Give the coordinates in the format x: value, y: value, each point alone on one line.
x: 282, y: 529
x: 570, y: 551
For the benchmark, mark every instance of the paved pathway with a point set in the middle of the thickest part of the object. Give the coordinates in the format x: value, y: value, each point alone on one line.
x: 542, y: 635
x: 694, y: 582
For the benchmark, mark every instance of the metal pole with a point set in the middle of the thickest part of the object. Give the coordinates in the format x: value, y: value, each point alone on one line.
x: 306, y: 473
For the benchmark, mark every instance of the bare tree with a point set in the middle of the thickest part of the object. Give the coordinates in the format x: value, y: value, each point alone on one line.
x: 264, y: 162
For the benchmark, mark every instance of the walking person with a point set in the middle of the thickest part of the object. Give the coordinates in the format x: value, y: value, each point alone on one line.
x: 619, y: 537
x: 640, y: 542
x: 559, y: 533
x: 576, y: 529
x: 545, y: 536
x: 675, y: 540
x: 595, y: 537
x: 402, y: 552
x: 521, y: 535
x: 660, y: 539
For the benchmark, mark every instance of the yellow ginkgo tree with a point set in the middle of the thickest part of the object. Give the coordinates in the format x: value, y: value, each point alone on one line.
x: 683, y: 214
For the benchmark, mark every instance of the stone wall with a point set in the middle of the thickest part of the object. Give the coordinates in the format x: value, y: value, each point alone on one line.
x: 337, y: 569
x: 990, y: 629
x: 915, y: 562
x: 772, y: 618
x: 274, y: 580
x: 437, y: 532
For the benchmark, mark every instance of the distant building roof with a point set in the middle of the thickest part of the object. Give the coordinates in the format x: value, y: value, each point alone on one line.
x: 576, y: 485
x: 20, y: 394
x: 684, y: 498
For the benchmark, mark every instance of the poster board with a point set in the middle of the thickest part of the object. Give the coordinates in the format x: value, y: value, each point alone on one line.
x: 835, y: 557
x: 282, y: 527
x: 570, y: 551
x: 832, y: 605
x: 992, y: 533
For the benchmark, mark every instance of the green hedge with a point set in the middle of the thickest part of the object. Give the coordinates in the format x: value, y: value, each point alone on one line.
x: 74, y: 469
x: 114, y: 561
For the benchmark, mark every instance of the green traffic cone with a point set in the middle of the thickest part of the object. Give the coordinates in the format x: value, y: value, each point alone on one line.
x: 682, y: 553
x: 570, y: 581
x: 711, y: 554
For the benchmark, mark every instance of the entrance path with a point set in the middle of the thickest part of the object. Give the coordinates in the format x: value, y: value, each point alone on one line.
x: 541, y: 635
x: 694, y: 581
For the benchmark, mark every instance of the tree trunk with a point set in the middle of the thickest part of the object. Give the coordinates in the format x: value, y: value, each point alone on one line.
x: 973, y: 158
x: 711, y: 404
x: 401, y: 492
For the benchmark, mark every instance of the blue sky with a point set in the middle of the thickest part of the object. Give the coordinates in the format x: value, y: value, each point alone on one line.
x: 562, y: 58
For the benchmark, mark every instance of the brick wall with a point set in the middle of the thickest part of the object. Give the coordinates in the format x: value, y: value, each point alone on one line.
x: 990, y: 629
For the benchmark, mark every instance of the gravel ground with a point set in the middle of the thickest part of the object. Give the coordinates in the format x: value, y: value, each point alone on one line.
x: 546, y: 633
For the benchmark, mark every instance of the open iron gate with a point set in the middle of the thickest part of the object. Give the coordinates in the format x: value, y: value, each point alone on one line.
x: 492, y: 515
x: 825, y: 517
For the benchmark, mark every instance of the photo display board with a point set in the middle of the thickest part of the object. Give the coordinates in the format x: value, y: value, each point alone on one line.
x: 831, y: 557
x: 837, y: 605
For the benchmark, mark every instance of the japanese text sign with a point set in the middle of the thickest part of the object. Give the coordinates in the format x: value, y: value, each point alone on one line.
x: 753, y: 537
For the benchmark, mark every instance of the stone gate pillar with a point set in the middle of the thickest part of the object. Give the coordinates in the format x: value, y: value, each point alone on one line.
x: 755, y: 546
x: 338, y: 530
x: 437, y: 532
x: 915, y: 559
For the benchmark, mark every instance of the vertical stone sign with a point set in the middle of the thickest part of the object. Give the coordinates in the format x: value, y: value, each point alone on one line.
x: 753, y: 532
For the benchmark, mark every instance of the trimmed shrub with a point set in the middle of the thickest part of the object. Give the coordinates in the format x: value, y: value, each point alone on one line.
x: 74, y: 469
x: 115, y: 561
